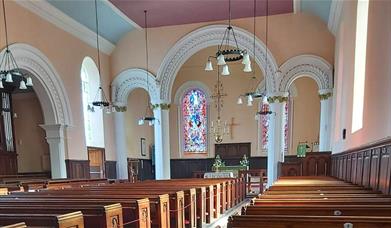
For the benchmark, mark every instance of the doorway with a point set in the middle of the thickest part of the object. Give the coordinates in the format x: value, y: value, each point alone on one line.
x: 96, y: 157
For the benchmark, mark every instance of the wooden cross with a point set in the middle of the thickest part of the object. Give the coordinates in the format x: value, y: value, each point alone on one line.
x: 231, y: 127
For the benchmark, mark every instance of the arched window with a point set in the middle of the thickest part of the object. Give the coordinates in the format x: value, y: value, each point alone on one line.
x: 195, y: 121
x: 93, y: 117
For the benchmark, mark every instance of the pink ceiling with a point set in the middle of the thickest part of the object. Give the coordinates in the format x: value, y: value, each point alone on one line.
x: 176, y: 12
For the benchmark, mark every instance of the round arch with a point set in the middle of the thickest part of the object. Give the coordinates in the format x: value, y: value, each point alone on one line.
x: 311, y: 66
x: 131, y: 79
x: 53, y: 99
x: 205, y: 37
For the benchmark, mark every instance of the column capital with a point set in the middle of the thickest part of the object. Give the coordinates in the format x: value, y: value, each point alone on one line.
x: 324, y: 95
x: 277, y: 99
x: 161, y: 106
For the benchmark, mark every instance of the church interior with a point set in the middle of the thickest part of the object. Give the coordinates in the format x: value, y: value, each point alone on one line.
x: 195, y: 113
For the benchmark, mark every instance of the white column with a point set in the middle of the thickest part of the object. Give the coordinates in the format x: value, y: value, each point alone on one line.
x: 120, y: 141
x: 325, y: 120
x: 275, y: 150
x: 55, y: 139
x: 162, y: 142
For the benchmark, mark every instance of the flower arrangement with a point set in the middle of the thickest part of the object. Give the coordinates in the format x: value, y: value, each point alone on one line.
x: 244, y: 161
x: 218, y: 163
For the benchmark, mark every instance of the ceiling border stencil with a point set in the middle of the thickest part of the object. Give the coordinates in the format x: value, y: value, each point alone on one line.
x: 312, y: 66
x: 205, y: 37
x: 55, y: 16
x: 131, y: 79
x: 48, y: 84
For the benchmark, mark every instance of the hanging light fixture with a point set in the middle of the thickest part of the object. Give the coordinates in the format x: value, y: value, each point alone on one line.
x: 225, y: 53
x: 148, y: 117
x: 9, y: 70
x: 265, y: 104
x: 218, y: 128
x: 253, y: 94
x: 100, y: 99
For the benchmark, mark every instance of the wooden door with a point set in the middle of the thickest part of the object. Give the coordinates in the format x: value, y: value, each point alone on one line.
x: 96, y: 156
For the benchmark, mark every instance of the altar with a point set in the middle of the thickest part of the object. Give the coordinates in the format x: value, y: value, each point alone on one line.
x: 220, y: 170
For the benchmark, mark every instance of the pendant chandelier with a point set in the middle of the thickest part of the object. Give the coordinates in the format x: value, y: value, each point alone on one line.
x: 253, y: 94
x: 148, y: 117
x: 218, y: 129
x: 226, y: 53
x: 100, y: 99
x: 9, y: 70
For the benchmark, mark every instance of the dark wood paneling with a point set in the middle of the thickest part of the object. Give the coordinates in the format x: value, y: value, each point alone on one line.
x: 370, y: 166
x: 146, y: 170
x: 111, y: 169
x: 233, y: 150
x: 78, y: 169
x: 8, y: 163
x: 184, y: 168
x: 314, y: 164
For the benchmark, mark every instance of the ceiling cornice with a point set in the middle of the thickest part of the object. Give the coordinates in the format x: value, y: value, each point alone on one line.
x: 122, y: 15
x: 296, y: 6
x: 50, y: 13
x: 335, y: 16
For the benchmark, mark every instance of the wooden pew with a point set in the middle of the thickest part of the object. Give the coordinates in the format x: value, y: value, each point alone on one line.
x: 70, y: 220
x: 320, y: 210
x: 300, y: 221
x: 16, y: 225
x: 133, y: 210
x: 98, y: 216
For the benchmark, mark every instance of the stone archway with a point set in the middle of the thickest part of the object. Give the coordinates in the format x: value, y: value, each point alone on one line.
x: 122, y: 86
x: 53, y: 98
x: 321, y: 71
x: 205, y: 37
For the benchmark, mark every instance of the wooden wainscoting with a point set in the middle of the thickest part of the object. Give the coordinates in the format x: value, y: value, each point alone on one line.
x: 111, y: 169
x: 8, y: 163
x: 369, y: 166
x: 78, y: 169
x: 313, y: 164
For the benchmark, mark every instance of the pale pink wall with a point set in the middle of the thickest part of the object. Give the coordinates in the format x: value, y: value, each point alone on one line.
x: 237, y: 83
x: 31, y: 145
x: 377, y: 106
x: 306, y: 113
x: 66, y: 53
x: 137, y: 103
x: 289, y: 35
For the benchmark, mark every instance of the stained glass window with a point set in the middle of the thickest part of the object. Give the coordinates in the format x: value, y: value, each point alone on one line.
x: 286, y: 127
x: 194, y: 114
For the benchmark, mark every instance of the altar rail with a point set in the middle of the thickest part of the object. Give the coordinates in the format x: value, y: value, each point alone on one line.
x: 368, y: 166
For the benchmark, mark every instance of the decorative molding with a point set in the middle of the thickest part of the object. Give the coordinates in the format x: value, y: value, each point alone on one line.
x: 55, y: 16
x: 47, y: 84
x: 277, y: 99
x: 191, y: 85
x: 163, y: 106
x: 336, y: 8
x: 122, y: 15
x: 296, y: 6
x: 205, y: 37
x: 311, y: 66
x: 131, y: 79
x: 325, y: 96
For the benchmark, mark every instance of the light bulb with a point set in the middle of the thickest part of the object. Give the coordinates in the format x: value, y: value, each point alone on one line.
x: 250, y: 98
x: 264, y: 100
x: 240, y: 101
x: 246, y: 59
x: 9, y: 78
x: 247, y: 68
x: 249, y: 103
x: 220, y: 60
x: 29, y: 81
x: 22, y: 85
x: 141, y: 122
x: 225, y: 71
x: 208, y: 66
